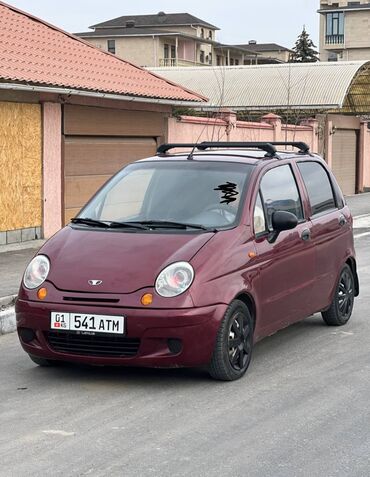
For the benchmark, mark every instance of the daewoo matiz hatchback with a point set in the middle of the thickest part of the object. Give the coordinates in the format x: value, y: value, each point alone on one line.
x: 189, y: 259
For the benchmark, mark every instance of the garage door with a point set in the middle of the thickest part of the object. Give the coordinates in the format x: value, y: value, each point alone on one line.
x: 97, y: 143
x: 90, y: 162
x: 344, y: 159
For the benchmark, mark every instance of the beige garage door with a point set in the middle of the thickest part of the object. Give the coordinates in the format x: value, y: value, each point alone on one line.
x: 98, y: 142
x: 344, y: 159
x: 90, y: 162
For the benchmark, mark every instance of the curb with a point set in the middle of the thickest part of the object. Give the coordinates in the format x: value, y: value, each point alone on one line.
x: 7, y: 314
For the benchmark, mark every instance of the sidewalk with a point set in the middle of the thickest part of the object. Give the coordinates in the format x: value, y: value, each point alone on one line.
x: 13, y: 261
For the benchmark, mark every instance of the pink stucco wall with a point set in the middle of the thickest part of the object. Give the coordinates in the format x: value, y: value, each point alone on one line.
x: 195, y: 129
x: 52, y: 168
x: 365, y: 146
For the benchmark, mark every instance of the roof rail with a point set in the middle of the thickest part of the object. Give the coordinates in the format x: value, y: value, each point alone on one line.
x: 166, y: 147
x: 264, y: 146
x: 302, y: 146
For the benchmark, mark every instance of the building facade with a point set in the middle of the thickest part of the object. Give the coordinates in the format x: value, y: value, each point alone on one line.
x: 344, y: 30
x: 269, y: 52
x: 174, y: 39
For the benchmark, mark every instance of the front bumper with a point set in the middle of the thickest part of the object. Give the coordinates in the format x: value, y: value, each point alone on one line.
x: 194, y: 328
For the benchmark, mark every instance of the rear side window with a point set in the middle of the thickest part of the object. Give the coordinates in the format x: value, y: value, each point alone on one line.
x: 319, y: 189
x: 280, y: 192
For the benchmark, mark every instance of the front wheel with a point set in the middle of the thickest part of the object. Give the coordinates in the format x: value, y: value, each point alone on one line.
x: 340, y: 310
x: 233, y: 349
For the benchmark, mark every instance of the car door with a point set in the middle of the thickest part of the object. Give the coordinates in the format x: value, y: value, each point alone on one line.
x: 286, y: 267
x: 331, y: 232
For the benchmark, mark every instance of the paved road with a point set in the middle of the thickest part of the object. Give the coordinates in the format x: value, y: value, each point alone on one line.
x: 302, y: 410
x: 359, y: 204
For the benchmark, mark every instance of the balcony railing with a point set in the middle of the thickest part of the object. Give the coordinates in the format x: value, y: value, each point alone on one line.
x: 334, y: 39
x: 179, y: 62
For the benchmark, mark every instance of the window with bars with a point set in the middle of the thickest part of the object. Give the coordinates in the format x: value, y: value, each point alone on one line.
x: 334, y: 28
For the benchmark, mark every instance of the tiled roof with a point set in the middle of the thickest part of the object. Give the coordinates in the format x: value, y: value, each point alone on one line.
x: 117, y: 32
x: 159, y: 19
x: 36, y: 53
x: 264, y: 47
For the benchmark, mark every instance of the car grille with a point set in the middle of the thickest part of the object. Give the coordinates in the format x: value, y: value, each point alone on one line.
x: 93, y: 345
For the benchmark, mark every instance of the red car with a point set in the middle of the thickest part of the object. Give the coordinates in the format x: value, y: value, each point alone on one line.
x: 188, y: 259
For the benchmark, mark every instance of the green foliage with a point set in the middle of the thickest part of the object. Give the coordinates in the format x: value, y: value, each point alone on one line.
x: 304, y: 50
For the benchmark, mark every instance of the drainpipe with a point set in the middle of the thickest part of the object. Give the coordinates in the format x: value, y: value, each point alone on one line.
x: 155, y: 51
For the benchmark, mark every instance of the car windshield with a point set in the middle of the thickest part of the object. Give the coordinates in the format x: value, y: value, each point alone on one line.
x: 171, y: 194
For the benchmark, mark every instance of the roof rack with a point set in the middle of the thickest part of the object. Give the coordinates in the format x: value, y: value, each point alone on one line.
x: 264, y: 146
x: 302, y: 146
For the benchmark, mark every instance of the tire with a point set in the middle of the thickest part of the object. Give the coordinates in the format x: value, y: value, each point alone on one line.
x: 233, y: 351
x: 340, y: 310
x: 41, y: 361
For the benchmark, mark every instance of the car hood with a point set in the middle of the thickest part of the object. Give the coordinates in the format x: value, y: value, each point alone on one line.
x: 124, y: 261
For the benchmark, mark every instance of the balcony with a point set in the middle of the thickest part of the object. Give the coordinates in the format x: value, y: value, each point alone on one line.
x: 171, y: 62
x: 334, y: 39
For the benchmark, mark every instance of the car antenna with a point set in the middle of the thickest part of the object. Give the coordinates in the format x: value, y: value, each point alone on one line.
x: 191, y: 155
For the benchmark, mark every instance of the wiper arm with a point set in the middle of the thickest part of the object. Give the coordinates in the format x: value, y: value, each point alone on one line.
x: 171, y: 224
x: 131, y: 225
x: 91, y: 222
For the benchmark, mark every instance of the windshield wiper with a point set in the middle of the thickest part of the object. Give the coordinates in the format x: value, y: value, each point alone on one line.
x: 131, y: 225
x: 141, y: 225
x: 171, y: 224
x: 91, y: 222
x: 107, y: 224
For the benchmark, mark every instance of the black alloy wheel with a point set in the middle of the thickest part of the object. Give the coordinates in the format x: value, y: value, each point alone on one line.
x: 239, y: 341
x: 233, y: 349
x: 340, y: 310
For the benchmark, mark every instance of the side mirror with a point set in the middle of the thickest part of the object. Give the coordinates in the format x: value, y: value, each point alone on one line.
x: 281, y: 220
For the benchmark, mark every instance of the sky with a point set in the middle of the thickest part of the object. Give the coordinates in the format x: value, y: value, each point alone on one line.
x: 266, y: 21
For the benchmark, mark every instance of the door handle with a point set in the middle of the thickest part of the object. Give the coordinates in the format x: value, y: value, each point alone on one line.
x: 342, y: 220
x: 305, y: 235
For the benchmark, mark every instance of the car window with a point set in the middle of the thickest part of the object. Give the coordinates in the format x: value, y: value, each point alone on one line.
x: 259, y: 217
x: 280, y: 192
x: 319, y: 189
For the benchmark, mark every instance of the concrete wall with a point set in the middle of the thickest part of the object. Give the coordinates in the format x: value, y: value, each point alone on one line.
x: 227, y: 128
x: 52, y: 168
x: 365, y: 155
x: 142, y: 51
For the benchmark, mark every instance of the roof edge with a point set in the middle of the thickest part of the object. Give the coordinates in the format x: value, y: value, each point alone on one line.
x: 38, y: 88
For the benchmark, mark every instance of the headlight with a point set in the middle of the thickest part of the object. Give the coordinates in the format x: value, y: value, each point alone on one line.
x: 174, y: 279
x: 36, y: 272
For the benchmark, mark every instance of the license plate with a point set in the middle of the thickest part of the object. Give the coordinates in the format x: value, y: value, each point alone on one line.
x: 87, y: 323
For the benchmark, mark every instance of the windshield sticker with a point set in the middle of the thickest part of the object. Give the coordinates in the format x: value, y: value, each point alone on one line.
x: 229, y: 192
